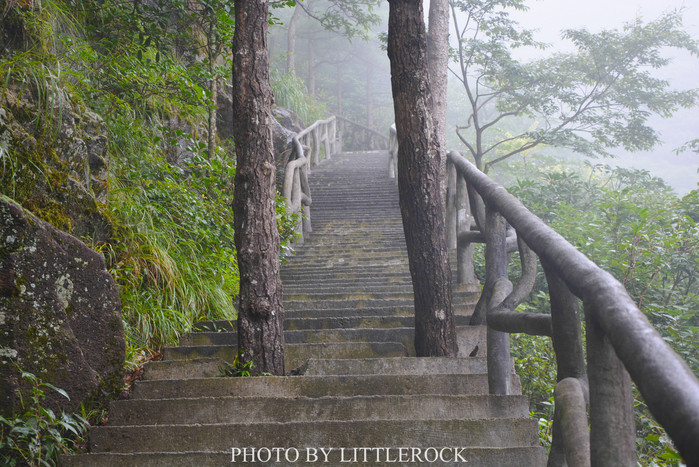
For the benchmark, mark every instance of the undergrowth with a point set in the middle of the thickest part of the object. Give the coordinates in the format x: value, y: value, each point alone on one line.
x: 37, y: 436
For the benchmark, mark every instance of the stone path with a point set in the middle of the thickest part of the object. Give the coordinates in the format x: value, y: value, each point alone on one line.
x: 356, y: 389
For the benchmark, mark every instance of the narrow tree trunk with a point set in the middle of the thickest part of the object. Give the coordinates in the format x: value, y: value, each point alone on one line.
x: 437, y: 64
x: 311, y: 68
x: 260, y: 313
x: 339, y: 89
x: 213, y: 87
x: 291, y: 41
x: 369, y: 98
x: 422, y: 205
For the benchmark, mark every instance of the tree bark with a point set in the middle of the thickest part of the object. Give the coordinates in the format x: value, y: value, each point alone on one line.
x: 260, y: 313
x: 437, y: 64
x: 422, y: 205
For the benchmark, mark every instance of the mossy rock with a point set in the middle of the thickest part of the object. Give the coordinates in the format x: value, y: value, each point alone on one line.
x: 60, y: 314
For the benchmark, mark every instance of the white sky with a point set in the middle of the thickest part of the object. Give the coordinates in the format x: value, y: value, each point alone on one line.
x: 549, y: 17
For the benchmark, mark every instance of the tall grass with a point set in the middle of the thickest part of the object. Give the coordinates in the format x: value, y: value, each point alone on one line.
x: 290, y: 92
x: 174, y: 253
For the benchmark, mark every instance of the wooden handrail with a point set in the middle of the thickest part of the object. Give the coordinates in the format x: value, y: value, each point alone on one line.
x: 620, y: 338
x: 296, y: 189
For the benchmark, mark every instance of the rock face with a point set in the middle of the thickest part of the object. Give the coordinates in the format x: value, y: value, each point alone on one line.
x: 60, y: 313
x: 285, y: 125
x: 54, y: 155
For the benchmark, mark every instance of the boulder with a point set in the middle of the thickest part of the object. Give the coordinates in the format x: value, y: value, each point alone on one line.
x: 60, y: 314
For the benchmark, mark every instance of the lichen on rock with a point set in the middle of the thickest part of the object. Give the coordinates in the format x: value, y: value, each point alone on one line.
x: 61, y: 313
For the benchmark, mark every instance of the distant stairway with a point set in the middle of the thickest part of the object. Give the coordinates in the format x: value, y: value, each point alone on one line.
x: 355, y: 387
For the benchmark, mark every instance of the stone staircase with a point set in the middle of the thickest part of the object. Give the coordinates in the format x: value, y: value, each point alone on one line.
x: 355, y: 391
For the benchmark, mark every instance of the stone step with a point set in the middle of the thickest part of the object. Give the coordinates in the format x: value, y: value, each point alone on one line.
x: 316, y: 386
x: 237, y: 409
x: 211, y: 367
x: 482, y: 457
x: 390, y: 293
x: 374, y: 433
x: 357, y: 303
x: 295, y: 354
x: 345, y: 322
x: 395, y: 366
x: 468, y: 336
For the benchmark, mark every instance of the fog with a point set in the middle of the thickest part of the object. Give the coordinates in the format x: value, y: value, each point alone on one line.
x: 353, y: 77
x: 549, y: 17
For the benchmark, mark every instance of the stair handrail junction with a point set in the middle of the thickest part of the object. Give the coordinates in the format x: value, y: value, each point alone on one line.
x: 622, y: 345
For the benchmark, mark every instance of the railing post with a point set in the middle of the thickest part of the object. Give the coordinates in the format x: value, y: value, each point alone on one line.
x: 612, y: 429
x: 570, y: 441
x: 326, y: 140
x: 451, y: 205
x: 464, y: 251
x: 499, y: 370
x: 296, y: 194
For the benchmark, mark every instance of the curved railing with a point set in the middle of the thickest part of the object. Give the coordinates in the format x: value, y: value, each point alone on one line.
x: 308, y: 148
x: 621, y: 343
x: 620, y: 340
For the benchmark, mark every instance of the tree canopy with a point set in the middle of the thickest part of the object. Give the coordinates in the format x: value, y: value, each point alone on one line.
x: 598, y: 97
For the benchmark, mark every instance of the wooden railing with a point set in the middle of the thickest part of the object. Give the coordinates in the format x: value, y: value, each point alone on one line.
x: 361, y: 138
x: 317, y: 142
x: 621, y: 343
x: 620, y: 340
x: 309, y: 147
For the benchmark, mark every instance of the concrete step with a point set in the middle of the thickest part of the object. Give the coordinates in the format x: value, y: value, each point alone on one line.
x: 482, y: 457
x: 295, y: 354
x: 395, y: 366
x: 374, y: 433
x: 467, y: 336
x: 237, y: 409
x: 344, y: 322
x: 314, y: 386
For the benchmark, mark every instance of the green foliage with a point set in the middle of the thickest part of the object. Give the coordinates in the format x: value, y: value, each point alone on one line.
x: 239, y: 367
x: 635, y: 227
x: 39, y: 436
x: 290, y: 92
x: 174, y: 255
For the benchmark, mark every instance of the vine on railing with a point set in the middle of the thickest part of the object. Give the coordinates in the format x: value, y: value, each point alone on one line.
x: 621, y: 343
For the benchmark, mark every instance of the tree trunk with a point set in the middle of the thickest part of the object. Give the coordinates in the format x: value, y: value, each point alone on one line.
x: 311, y: 68
x: 422, y: 205
x: 291, y: 41
x: 369, y: 99
x: 437, y: 64
x: 213, y: 85
x: 339, y: 89
x: 260, y: 313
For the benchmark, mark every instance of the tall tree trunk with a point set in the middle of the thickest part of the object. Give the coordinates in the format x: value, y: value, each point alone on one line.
x: 213, y: 85
x: 369, y: 98
x: 260, y: 313
x: 437, y: 64
x: 339, y: 89
x: 291, y: 41
x: 311, y: 68
x: 421, y: 203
